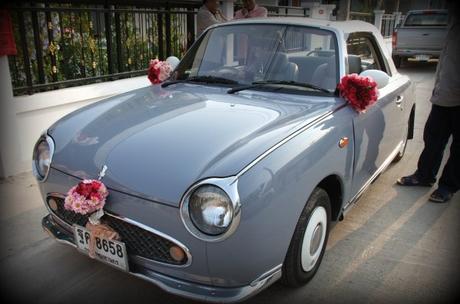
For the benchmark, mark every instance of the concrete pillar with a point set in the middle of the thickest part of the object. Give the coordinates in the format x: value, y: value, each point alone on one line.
x: 10, y: 143
x: 397, y: 18
x: 378, y: 18
x: 227, y: 9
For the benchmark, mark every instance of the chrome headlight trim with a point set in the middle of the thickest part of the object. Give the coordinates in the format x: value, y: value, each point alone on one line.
x: 50, y: 142
x: 230, y: 186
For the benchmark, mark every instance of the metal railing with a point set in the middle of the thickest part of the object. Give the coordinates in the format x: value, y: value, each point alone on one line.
x: 389, y: 22
x: 62, y: 45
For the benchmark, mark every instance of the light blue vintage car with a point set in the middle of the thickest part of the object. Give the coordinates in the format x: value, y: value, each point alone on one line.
x: 226, y: 177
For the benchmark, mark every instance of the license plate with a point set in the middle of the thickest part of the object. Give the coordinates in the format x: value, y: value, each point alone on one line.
x: 108, y: 251
x: 422, y: 57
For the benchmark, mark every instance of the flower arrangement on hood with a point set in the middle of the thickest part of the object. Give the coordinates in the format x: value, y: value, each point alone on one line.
x: 87, y: 197
x: 159, y: 71
x: 359, y: 91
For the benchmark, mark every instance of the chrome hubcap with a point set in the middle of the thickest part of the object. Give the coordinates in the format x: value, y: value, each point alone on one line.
x: 314, y: 238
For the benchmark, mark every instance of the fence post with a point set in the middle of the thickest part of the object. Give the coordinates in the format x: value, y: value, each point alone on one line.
x: 378, y: 15
x: 25, y: 52
x: 108, y: 38
x: 190, y: 28
x: 38, y: 47
x: 160, y: 36
x: 52, y: 48
x: 118, y: 41
x: 168, y: 31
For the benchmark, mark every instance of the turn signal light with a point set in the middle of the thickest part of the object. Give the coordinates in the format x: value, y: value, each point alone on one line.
x: 53, y: 204
x: 177, y: 253
x: 343, y: 142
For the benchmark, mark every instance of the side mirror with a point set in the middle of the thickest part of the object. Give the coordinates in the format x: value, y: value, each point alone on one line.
x: 380, y: 77
x: 173, y: 61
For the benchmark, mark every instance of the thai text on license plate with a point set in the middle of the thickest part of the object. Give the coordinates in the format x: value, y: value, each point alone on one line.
x: 108, y: 251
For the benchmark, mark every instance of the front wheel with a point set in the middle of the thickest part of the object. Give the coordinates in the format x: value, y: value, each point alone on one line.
x: 309, y: 241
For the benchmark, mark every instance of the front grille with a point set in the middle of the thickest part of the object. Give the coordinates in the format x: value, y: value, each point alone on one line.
x: 139, y: 242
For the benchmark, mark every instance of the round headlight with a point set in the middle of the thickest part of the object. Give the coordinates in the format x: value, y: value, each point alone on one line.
x: 210, y: 209
x: 42, y: 157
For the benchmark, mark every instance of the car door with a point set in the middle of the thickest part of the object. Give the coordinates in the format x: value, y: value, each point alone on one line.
x: 379, y: 130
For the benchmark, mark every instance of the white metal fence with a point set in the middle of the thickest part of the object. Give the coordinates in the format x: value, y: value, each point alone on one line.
x: 389, y: 22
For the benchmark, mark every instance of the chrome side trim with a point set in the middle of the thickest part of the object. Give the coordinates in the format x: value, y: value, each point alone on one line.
x: 230, y: 186
x: 266, y: 275
x: 132, y: 222
x: 382, y: 168
x: 283, y: 141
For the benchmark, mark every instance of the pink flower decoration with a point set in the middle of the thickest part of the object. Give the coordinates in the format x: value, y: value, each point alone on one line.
x: 359, y: 91
x: 86, y: 197
x: 158, y: 71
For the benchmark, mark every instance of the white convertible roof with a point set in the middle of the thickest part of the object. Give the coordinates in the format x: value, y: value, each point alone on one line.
x: 346, y: 27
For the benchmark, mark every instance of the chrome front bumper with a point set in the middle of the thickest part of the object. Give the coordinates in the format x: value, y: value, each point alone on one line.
x: 179, y: 287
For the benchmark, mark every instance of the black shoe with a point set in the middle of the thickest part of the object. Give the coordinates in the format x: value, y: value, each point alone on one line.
x: 412, y: 180
x: 441, y: 195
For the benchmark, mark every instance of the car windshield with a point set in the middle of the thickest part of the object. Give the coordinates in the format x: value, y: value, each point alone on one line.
x: 246, y: 54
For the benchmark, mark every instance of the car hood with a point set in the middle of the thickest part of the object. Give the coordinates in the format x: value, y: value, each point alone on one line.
x: 157, y: 142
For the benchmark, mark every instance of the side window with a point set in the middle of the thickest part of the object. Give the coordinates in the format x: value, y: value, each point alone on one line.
x: 364, y: 55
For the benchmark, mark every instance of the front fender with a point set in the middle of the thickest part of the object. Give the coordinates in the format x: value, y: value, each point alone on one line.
x: 273, y: 193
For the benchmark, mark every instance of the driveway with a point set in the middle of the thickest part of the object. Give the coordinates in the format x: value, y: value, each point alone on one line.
x: 394, y: 246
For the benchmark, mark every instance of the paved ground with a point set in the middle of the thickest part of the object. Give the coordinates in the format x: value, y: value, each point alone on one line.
x: 393, y: 247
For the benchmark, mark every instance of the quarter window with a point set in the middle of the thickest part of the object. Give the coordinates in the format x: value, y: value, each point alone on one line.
x: 365, y: 55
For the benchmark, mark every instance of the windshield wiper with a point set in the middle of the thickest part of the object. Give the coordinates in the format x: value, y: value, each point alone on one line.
x: 203, y: 79
x: 257, y: 84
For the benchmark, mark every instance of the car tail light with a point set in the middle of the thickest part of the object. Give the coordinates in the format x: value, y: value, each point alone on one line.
x: 394, y: 39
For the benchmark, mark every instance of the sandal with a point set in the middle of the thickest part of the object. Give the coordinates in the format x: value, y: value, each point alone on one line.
x: 412, y: 180
x: 441, y: 195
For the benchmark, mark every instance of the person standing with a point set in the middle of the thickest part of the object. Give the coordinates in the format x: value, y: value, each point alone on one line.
x: 251, y: 10
x: 443, y: 121
x: 209, y: 14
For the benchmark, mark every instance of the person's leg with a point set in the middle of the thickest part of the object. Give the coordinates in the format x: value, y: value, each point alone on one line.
x: 435, y: 135
x: 450, y: 178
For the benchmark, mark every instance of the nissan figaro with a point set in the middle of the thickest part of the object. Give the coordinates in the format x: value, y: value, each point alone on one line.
x: 227, y: 176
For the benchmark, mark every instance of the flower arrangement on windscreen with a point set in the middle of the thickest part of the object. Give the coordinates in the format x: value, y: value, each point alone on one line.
x: 359, y: 91
x: 159, y: 71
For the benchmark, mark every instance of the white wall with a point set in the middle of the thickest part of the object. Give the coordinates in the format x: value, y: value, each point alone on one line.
x: 24, y: 118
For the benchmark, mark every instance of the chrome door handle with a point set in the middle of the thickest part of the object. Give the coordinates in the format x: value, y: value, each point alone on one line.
x: 399, y: 100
